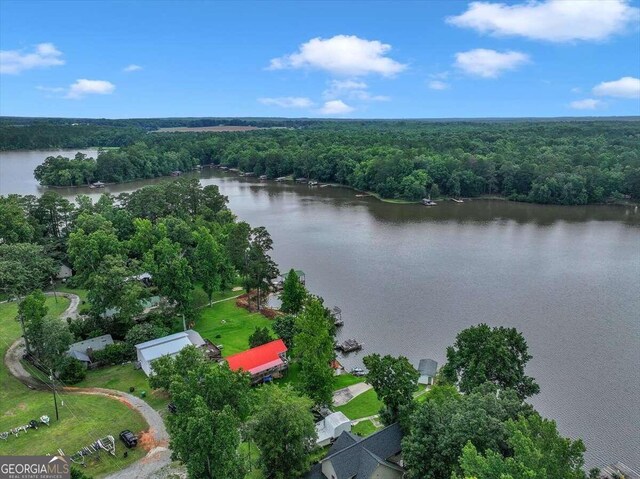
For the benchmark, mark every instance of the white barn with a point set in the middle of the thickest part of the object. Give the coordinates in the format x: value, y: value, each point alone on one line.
x: 170, y: 345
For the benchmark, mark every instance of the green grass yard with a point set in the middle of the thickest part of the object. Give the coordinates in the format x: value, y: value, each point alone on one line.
x: 364, y: 428
x: 123, y: 377
x: 232, y: 324
x: 83, y: 418
x: 364, y: 405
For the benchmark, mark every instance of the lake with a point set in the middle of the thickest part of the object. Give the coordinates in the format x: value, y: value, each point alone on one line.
x: 408, y: 278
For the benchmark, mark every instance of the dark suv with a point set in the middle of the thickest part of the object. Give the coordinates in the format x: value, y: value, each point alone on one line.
x: 130, y: 440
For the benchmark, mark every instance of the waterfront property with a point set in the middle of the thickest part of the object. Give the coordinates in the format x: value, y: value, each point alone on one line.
x: 353, y: 457
x: 331, y: 427
x: 171, y: 345
x: 264, y: 363
x: 83, y: 350
x: 427, y: 369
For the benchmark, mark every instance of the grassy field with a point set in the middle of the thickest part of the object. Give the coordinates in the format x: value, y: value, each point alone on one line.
x: 83, y: 418
x: 364, y: 405
x: 122, y: 378
x: 224, y: 323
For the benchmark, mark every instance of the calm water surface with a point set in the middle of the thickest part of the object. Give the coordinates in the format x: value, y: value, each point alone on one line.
x: 408, y: 278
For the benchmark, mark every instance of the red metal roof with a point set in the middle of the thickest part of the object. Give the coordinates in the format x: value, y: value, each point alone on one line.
x: 258, y: 359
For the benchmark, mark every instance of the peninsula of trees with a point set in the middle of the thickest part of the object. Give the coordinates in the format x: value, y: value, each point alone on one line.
x: 568, y: 162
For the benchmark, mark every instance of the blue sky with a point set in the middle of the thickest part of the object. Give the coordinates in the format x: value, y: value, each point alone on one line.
x: 320, y: 59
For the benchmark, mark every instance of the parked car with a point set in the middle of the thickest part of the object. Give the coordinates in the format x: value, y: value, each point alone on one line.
x: 130, y: 440
x: 172, y: 408
x: 358, y: 372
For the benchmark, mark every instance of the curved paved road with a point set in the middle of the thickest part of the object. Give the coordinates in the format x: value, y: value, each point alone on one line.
x: 156, y: 459
x: 72, y: 310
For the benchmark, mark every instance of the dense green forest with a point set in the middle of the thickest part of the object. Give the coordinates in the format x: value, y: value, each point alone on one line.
x: 549, y: 162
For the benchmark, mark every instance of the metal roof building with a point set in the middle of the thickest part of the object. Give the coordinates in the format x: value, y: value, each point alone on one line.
x: 170, y: 345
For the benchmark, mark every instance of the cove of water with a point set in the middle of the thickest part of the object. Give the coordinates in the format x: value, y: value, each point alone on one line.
x: 408, y: 278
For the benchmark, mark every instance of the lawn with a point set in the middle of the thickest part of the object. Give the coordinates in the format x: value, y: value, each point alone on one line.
x: 364, y: 428
x: 364, y: 405
x: 83, y: 418
x: 225, y: 323
x: 123, y: 377
x: 346, y: 379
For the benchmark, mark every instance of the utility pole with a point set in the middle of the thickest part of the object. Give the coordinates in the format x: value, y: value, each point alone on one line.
x: 53, y: 388
x: 53, y: 287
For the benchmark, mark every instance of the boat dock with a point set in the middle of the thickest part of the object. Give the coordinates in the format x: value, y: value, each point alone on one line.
x: 349, y: 346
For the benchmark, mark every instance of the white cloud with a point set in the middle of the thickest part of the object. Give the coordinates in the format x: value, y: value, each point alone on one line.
x: 438, y: 85
x: 586, y: 104
x: 345, y: 55
x: 340, y: 87
x: 576, y: 90
x: 84, y: 87
x: 550, y: 20
x: 352, y: 89
x: 16, y: 61
x: 287, y: 102
x: 51, y: 89
x: 625, y: 87
x: 335, y: 107
x: 489, y: 63
x: 132, y: 68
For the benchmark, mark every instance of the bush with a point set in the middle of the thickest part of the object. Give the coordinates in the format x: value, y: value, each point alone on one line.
x: 71, y: 371
x: 117, y: 353
x: 141, y: 333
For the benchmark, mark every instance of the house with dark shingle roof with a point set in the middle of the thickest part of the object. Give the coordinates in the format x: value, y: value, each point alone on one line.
x: 353, y: 457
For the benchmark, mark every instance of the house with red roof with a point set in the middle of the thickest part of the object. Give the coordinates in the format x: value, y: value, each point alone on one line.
x: 263, y: 362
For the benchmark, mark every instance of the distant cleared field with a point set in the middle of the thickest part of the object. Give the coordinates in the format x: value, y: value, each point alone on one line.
x: 207, y: 128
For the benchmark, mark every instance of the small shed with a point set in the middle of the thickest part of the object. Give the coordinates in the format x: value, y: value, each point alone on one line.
x: 64, y: 272
x: 331, y: 427
x: 299, y: 273
x: 427, y: 369
x: 83, y: 350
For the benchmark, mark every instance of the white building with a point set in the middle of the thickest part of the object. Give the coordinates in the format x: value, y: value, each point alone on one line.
x: 428, y: 368
x: 170, y: 345
x: 331, y: 427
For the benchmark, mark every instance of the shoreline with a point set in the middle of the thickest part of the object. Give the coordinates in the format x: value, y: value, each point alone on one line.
x: 622, y: 202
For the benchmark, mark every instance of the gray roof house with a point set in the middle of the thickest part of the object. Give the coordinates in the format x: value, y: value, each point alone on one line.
x: 372, y: 457
x: 82, y: 349
x: 427, y: 369
x: 170, y: 345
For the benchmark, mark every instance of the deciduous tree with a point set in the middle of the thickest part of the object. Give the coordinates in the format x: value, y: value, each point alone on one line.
x: 293, y: 294
x: 394, y: 381
x: 259, y: 337
x: 283, y: 428
x: 313, y: 348
x: 482, y: 354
